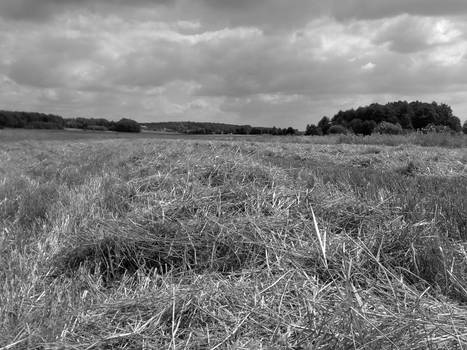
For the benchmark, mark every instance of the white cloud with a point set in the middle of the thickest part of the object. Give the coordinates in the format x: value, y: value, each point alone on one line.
x: 407, y: 34
x: 369, y: 66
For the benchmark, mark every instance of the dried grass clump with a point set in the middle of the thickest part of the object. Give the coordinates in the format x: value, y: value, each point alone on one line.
x: 116, y: 196
x: 228, y: 173
x: 411, y: 169
x: 10, y: 192
x: 115, y: 250
x: 27, y: 202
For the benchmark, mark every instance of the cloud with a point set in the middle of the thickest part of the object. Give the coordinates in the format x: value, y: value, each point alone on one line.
x: 42, y: 10
x: 377, y: 9
x: 408, y: 34
x: 266, y: 14
x: 258, y: 62
x: 284, y: 15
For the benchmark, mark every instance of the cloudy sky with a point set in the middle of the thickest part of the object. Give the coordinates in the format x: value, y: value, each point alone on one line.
x: 261, y: 62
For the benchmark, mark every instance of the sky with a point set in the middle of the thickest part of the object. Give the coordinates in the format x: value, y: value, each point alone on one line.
x: 257, y: 62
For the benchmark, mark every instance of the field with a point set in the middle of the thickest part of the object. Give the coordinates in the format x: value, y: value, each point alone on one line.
x: 163, y: 242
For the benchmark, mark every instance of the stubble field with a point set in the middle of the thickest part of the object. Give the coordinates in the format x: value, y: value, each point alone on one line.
x: 220, y: 244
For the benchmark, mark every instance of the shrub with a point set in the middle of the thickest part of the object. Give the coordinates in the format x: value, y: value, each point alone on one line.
x: 338, y: 129
x: 454, y: 124
x: 127, y: 125
x: 431, y: 128
x: 388, y: 128
x: 364, y: 127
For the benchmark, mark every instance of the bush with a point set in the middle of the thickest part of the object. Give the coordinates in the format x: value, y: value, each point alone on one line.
x: 454, y: 124
x: 388, y: 128
x: 127, y: 125
x: 364, y: 127
x: 338, y: 129
x: 431, y: 128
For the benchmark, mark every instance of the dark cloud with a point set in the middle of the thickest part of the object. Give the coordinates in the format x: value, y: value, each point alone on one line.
x: 283, y: 15
x: 271, y: 15
x: 376, y: 9
x: 40, y: 10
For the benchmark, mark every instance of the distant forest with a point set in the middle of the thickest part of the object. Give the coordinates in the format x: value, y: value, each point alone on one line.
x: 101, y: 124
x: 393, y: 118
x: 30, y: 120
x: 33, y: 120
x: 217, y: 128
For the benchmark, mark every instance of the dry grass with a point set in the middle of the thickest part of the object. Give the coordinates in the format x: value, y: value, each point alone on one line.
x: 164, y: 244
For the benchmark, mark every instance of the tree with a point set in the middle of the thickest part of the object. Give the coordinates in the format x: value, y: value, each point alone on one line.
x: 255, y: 131
x: 368, y: 126
x: 324, y: 124
x: 364, y: 127
x: 414, y: 115
x: 424, y: 114
x: 454, y: 123
x: 127, y: 125
x: 243, y: 130
x: 31, y: 120
x: 464, y: 127
x: 291, y: 131
x: 312, y: 129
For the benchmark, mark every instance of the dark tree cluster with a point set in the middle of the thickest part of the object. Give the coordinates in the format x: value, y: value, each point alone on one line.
x: 127, y: 125
x: 30, y: 120
x: 34, y: 120
x: 188, y: 127
x: 283, y: 131
x: 101, y: 124
x: 393, y: 117
x: 89, y: 123
x: 248, y: 130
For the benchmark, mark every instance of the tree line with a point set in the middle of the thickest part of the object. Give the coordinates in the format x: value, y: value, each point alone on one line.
x: 34, y: 120
x: 393, y: 118
x: 203, y: 128
x: 30, y: 120
x: 101, y: 124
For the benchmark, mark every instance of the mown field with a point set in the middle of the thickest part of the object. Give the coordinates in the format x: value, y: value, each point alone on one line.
x: 153, y: 243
